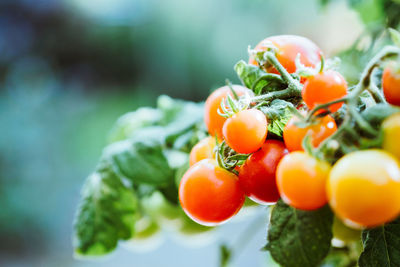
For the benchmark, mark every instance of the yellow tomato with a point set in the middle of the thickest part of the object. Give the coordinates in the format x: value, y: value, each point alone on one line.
x: 391, y: 132
x: 364, y: 188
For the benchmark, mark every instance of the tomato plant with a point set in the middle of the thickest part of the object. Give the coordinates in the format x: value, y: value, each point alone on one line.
x: 257, y: 174
x: 344, y: 151
x: 245, y: 131
x: 318, y: 131
x: 324, y: 87
x: 209, y: 194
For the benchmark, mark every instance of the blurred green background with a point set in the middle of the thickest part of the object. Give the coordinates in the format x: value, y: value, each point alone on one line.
x: 70, y: 68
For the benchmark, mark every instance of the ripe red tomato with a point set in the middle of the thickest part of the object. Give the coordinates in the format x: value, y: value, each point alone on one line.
x: 391, y: 84
x: 324, y: 87
x: 364, y: 188
x: 202, y: 150
x: 212, y: 119
x: 209, y: 194
x: 301, y: 180
x: 293, y: 135
x: 288, y: 46
x: 257, y: 174
x: 245, y: 132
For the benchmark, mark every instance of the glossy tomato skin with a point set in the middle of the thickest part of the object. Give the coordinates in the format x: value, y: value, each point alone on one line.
x: 391, y: 85
x: 245, y: 132
x: 364, y: 188
x: 301, y: 181
x: 391, y: 135
x: 293, y: 135
x: 324, y: 87
x: 214, y: 122
x: 204, y: 149
x: 257, y: 174
x: 209, y: 194
x: 288, y: 46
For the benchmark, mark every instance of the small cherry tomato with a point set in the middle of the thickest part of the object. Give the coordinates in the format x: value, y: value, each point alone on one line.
x: 209, y: 194
x: 391, y: 84
x: 301, y: 180
x: 212, y: 119
x: 391, y: 135
x: 324, y: 87
x: 245, y: 132
x: 202, y: 150
x: 364, y: 188
x: 287, y: 48
x: 257, y: 174
x: 293, y: 135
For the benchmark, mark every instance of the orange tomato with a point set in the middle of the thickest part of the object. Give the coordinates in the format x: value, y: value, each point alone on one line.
x: 209, y: 194
x: 324, y: 87
x: 245, y: 132
x: 293, y: 135
x: 301, y: 180
x: 391, y: 84
x: 364, y: 188
x: 288, y: 46
x: 214, y: 122
x: 204, y: 149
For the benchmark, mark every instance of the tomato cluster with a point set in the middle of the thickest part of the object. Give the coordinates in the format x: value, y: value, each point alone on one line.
x: 362, y: 187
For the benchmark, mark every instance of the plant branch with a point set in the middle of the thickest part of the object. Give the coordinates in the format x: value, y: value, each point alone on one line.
x: 293, y: 84
x: 325, y: 105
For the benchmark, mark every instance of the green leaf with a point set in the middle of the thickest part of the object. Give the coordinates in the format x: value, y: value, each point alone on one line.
x: 188, y: 119
x: 278, y: 114
x: 130, y: 122
x: 381, y: 246
x: 247, y: 73
x: 106, y: 214
x: 299, y: 238
x: 258, y: 80
x: 140, y: 161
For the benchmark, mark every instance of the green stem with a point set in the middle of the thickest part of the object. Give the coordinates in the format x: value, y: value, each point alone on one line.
x: 374, y: 90
x: 376, y: 95
x: 364, y: 125
x: 282, y: 94
x: 342, y: 128
x: 325, y: 105
x: 388, y: 51
x: 293, y: 84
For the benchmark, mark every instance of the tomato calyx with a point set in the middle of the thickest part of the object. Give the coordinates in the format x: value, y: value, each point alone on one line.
x: 228, y: 159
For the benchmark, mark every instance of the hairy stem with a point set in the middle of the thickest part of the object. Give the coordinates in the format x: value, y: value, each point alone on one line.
x: 293, y: 84
x: 323, y: 106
